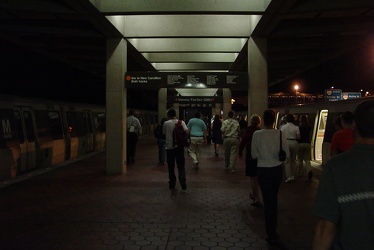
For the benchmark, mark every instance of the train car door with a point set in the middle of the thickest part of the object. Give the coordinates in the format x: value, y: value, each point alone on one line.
x: 318, y: 136
x: 27, y: 139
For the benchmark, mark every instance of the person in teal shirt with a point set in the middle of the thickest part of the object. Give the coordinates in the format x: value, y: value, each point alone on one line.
x: 198, y: 131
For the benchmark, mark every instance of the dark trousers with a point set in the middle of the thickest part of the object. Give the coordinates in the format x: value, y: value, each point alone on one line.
x: 131, y: 141
x: 270, y: 180
x: 161, y: 150
x: 173, y: 156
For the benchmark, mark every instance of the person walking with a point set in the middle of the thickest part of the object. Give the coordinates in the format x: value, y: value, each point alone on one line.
x: 174, y: 153
x: 134, y: 129
x: 198, y: 133
x: 303, y: 153
x: 345, y: 197
x: 343, y: 139
x: 160, y: 142
x: 293, y: 134
x: 250, y: 163
x: 217, y: 134
x: 265, y: 148
x: 230, y: 131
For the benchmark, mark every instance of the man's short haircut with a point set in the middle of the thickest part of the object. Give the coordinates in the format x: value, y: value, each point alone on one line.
x: 198, y: 115
x: 230, y: 114
x: 269, y: 117
x: 364, y: 119
x: 255, y: 120
x: 290, y: 118
x: 172, y: 113
x: 131, y: 112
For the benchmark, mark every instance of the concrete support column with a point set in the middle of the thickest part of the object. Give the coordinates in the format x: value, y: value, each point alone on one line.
x: 258, y: 80
x: 162, y: 103
x: 116, y: 96
x: 226, y: 102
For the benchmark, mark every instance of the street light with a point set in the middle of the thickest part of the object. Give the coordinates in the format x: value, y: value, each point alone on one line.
x: 296, y: 89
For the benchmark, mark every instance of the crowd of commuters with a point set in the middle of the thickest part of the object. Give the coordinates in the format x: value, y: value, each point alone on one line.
x: 345, y: 197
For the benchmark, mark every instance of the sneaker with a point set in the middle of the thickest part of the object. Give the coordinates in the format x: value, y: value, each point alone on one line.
x: 183, y: 191
x: 195, y: 165
x: 289, y: 179
x: 233, y: 171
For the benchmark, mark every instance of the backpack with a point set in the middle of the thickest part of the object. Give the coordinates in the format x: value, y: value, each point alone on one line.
x: 180, y: 137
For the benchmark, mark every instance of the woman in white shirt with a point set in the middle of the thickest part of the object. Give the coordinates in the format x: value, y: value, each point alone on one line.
x: 265, y: 148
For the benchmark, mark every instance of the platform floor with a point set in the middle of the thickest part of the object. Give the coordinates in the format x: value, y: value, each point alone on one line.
x: 78, y: 206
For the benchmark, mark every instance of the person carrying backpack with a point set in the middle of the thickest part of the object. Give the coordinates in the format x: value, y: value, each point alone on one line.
x: 174, y: 152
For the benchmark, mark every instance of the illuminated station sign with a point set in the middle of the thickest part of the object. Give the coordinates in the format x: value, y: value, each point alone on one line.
x: 156, y: 80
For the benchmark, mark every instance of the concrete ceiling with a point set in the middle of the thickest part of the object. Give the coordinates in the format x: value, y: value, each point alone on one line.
x: 209, y: 35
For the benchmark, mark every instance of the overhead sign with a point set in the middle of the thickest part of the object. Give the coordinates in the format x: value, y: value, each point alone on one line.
x: 333, y: 94
x: 196, y: 80
x: 350, y: 95
x: 195, y: 101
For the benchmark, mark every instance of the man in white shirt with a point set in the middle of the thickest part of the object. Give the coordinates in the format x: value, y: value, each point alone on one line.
x: 174, y: 153
x: 134, y: 129
x: 293, y: 134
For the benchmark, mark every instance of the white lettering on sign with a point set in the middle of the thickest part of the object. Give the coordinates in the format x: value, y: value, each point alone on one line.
x: 7, y: 130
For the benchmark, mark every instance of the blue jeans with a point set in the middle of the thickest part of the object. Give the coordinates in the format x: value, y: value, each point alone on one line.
x: 176, y: 155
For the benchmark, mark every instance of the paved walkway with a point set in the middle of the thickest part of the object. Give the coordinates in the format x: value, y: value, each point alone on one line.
x: 78, y: 206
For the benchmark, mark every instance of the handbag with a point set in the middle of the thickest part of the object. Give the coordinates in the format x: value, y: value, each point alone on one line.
x: 282, y: 154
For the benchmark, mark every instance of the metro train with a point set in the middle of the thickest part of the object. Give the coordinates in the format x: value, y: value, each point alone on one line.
x: 320, y: 116
x: 36, y: 133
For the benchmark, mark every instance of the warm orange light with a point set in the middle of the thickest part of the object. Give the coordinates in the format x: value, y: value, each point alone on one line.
x: 296, y: 87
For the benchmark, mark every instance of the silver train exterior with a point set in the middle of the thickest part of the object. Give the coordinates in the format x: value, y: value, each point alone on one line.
x: 37, y: 133
x: 321, y: 116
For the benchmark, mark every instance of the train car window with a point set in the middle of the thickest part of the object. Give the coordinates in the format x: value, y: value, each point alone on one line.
x: 29, y: 126
x: 42, y: 125
x: 72, y: 123
x: 18, y: 125
x: 8, y: 130
x: 55, y: 125
x: 320, y: 126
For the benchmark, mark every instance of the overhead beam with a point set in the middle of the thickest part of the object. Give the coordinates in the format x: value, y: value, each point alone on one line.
x: 158, y: 26
x: 180, y: 6
x: 190, y: 57
x: 149, y: 45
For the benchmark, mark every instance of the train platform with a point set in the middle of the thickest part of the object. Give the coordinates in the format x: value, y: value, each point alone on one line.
x: 78, y: 206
